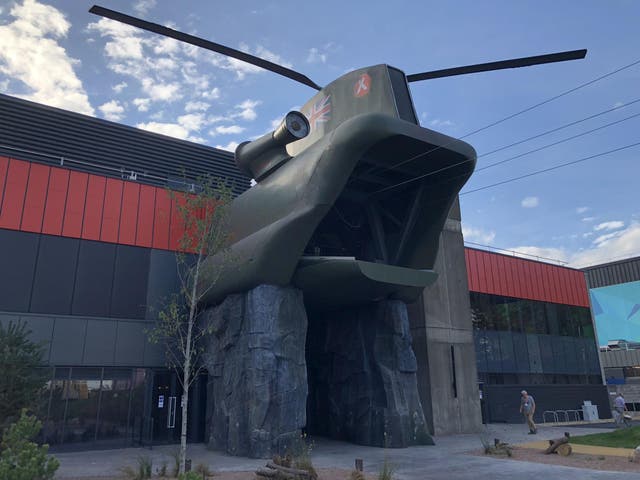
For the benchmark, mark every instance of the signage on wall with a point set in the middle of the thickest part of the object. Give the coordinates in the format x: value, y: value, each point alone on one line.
x: 160, y: 401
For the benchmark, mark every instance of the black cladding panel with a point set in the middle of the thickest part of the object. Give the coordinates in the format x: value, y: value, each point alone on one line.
x: 55, y: 275
x: 94, y: 279
x: 402, y: 96
x: 129, y: 296
x: 17, y: 261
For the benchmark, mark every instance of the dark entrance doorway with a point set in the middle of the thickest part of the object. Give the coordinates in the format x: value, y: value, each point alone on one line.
x: 166, y: 411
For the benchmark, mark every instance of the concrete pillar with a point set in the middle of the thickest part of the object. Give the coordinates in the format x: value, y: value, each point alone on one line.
x: 443, y: 341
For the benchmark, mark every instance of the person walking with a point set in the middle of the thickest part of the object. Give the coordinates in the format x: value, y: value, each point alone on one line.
x: 620, y: 407
x: 528, y: 408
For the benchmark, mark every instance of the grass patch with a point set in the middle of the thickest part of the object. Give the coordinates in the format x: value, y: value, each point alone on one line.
x: 622, y: 438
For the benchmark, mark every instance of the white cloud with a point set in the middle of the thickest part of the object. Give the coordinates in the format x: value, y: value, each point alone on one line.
x: 31, y: 54
x: 530, y: 202
x: 142, y: 104
x: 557, y: 254
x: 211, y: 94
x: 170, y: 129
x: 192, y: 121
x: 624, y: 243
x: 119, y: 87
x: 588, y: 219
x: 438, y: 123
x: 240, y: 68
x: 112, y: 110
x: 315, y: 56
x: 143, y: 6
x: 231, y: 146
x: 606, y: 237
x: 613, y: 225
x: 247, y: 109
x: 196, y: 107
x: 167, y: 92
x: 228, y: 130
x: 477, y: 234
x: 581, y: 210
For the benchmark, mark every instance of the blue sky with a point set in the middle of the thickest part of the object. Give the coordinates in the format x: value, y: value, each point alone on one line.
x: 55, y: 52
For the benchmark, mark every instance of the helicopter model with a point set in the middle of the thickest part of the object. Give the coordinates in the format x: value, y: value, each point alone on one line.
x: 351, y: 193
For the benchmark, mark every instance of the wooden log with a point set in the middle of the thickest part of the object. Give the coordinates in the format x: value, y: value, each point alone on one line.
x: 564, y: 450
x: 290, y: 471
x: 267, y: 473
x: 554, y: 444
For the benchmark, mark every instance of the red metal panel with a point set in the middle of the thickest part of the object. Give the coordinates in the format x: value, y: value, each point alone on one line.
x: 471, y: 270
x: 503, y: 276
x: 476, y: 268
x: 177, y: 224
x: 14, y: 192
x: 565, y: 286
x: 111, y: 210
x: 93, y: 207
x: 74, y: 209
x: 162, y: 220
x: 523, y: 277
x: 538, y: 291
x: 495, y: 274
x: 575, y: 286
x: 553, y: 282
x: 146, y: 208
x: 56, y: 199
x: 583, y: 291
x: 485, y: 272
x: 4, y: 165
x: 33, y: 211
x: 129, y: 213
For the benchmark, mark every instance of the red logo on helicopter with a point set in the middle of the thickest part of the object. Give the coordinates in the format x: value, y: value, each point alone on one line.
x: 362, y: 85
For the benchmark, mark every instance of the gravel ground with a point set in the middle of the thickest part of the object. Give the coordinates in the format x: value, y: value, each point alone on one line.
x: 593, y: 462
x: 323, y: 474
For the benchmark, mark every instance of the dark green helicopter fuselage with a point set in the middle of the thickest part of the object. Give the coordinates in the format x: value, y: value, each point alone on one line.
x: 352, y: 212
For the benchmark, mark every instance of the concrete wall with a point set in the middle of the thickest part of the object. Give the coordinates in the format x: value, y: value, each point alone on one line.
x: 443, y: 327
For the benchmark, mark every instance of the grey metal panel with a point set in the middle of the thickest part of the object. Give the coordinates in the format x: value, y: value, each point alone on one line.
x: 130, y: 344
x: 100, y: 344
x: 41, y: 129
x: 55, y: 275
x: 620, y: 358
x: 17, y: 264
x: 154, y: 355
x: 41, y: 327
x: 68, y: 341
x: 163, y: 280
x: 622, y: 271
x: 7, y: 318
x: 535, y: 357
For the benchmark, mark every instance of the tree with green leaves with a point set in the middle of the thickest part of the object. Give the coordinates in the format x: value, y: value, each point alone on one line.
x: 203, y: 216
x: 20, y: 457
x: 20, y: 379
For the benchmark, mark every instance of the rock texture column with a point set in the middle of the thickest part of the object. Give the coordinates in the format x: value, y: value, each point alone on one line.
x: 363, y: 377
x: 257, y: 393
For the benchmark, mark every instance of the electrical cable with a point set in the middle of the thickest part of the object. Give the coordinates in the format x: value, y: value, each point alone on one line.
x: 528, y: 109
x: 537, y: 172
x: 553, y: 130
x: 556, y: 143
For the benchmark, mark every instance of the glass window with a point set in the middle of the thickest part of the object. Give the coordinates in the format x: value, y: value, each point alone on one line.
x: 82, y: 393
x: 136, y: 414
x: 114, y: 405
x: 539, y: 314
x: 499, y: 313
x: 552, y: 318
x: 53, y: 427
x: 515, y: 315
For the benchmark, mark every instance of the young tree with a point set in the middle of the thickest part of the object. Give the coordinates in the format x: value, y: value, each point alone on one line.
x: 20, y: 378
x: 203, y: 216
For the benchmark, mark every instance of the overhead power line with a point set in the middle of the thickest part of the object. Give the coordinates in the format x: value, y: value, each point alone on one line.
x: 561, y: 127
x: 502, y: 120
x: 556, y: 143
x: 537, y: 172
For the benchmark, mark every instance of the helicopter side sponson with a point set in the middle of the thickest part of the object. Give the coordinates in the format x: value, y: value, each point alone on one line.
x: 342, y: 200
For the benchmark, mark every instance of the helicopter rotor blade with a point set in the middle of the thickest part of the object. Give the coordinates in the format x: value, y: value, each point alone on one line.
x: 500, y: 65
x: 206, y: 44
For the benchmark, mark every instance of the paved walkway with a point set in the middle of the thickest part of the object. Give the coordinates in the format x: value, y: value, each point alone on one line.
x: 447, y: 460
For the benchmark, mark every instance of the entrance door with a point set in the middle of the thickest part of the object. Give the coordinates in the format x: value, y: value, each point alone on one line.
x: 166, y: 409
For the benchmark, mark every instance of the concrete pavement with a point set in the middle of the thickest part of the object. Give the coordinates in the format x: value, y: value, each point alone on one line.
x: 448, y: 459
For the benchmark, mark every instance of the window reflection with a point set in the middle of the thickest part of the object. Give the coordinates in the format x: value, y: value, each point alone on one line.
x: 528, y: 341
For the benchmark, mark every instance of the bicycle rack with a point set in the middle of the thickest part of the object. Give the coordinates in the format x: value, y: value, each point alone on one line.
x: 549, y: 412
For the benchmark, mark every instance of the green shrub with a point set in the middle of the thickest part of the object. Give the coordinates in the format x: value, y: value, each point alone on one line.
x: 190, y: 476
x: 22, y: 459
x: 386, y: 472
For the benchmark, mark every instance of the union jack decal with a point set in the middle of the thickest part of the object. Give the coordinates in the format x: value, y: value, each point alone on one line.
x: 320, y: 112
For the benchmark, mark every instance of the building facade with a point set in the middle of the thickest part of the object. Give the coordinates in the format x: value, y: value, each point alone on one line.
x: 614, y: 289
x: 88, y: 233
